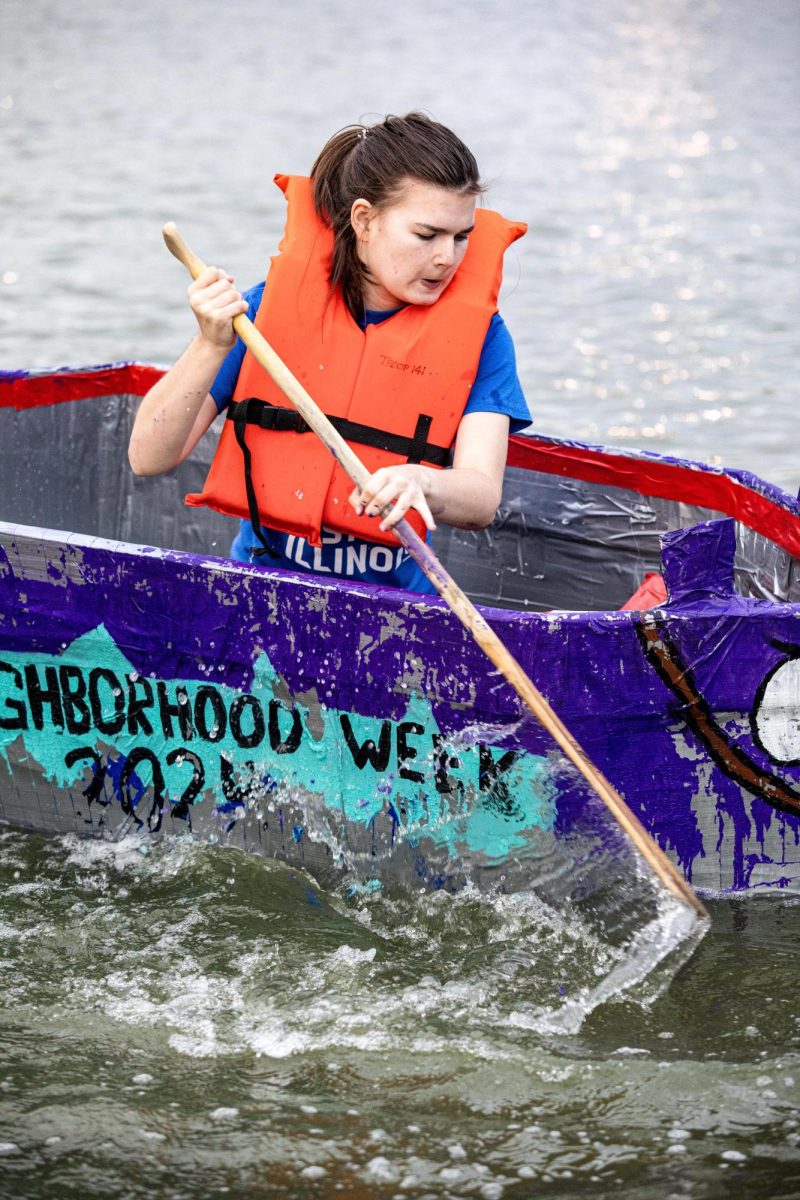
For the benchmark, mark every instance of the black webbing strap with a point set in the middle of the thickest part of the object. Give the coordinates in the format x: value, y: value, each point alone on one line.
x: 240, y: 415
x: 414, y: 449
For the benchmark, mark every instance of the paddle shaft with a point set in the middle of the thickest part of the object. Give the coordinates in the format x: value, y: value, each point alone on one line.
x: 449, y: 590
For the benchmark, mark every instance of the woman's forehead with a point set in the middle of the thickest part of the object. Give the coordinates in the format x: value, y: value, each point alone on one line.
x: 430, y: 204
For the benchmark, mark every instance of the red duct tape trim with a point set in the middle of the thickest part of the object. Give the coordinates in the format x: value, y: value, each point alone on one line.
x: 690, y: 483
x: 20, y: 390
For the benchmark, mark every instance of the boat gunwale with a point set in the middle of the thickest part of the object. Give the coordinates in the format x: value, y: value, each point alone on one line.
x: 512, y: 621
x: 757, y: 504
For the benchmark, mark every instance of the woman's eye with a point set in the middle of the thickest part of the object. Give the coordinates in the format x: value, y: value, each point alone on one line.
x: 425, y: 237
x: 462, y: 237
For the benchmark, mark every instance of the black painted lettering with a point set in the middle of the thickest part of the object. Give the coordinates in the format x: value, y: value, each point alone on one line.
x: 116, y: 700
x: 489, y: 770
x: 368, y: 752
x: 18, y: 718
x: 442, y: 761
x: 237, y: 789
x: 495, y: 791
x: 40, y: 695
x: 279, y: 744
x: 255, y: 718
x: 215, y: 729
x: 141, y: 755
x: 94, y: 787
x: 73, y: 696
x: 181, y: 709
x: 181, y: 810
x: 405, y: 752
x: 137, y: 704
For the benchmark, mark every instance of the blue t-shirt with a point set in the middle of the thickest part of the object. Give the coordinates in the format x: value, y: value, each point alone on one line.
x: 496, y: 389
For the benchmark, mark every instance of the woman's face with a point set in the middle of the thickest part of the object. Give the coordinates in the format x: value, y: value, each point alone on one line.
x: 412, y: 249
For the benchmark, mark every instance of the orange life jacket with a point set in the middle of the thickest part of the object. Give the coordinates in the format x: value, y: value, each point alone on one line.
x: 396, y: 390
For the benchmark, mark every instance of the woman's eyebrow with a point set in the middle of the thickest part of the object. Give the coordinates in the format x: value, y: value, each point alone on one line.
x: 439, y: 229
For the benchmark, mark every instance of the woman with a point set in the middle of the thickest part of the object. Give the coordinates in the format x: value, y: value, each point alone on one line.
x: 368, y: 305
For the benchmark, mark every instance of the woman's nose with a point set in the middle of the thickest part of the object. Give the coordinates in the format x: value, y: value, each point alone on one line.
x: 445, y: 251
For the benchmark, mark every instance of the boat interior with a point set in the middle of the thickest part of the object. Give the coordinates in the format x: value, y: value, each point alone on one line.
x: 579, y: 531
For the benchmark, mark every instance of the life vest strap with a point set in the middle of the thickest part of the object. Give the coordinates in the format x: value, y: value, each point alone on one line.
x: 240, y: 414
x: 414, y: 449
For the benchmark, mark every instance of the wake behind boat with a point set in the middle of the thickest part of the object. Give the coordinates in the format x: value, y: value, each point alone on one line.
x: 149, y: 683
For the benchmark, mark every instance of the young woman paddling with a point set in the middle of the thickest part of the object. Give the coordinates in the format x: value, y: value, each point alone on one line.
x: 382, y: 301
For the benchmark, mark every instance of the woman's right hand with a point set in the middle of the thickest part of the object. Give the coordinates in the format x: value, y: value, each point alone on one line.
x: 215, y: 302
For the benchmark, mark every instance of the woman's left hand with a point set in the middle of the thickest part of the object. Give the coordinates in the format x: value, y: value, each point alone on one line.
x: 403, y: 487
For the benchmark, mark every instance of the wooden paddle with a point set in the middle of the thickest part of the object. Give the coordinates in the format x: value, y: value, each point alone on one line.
x: 449, y: 590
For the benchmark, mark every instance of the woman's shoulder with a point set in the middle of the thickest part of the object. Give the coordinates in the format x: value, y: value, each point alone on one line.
x: 253, y: 297
x: 498, y: 331
x: 497, y: 387
x: 498, y: 357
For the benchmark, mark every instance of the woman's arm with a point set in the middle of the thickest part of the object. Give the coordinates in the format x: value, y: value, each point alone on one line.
x: 178, y: 409
x: 466, y: 496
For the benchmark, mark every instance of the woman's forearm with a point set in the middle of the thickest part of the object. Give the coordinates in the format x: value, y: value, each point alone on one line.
x: 469, y: 494
x: 178, y: 410
x: 463, y: 497
x: 174, y: 414
x: 466, y: 496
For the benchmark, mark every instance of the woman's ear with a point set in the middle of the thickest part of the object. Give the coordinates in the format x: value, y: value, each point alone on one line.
x: 360, y: 217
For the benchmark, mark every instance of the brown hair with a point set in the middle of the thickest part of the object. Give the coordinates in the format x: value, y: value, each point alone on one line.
x: 372, y: 162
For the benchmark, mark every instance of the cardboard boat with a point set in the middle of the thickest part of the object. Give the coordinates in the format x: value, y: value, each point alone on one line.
x: 150, y: 684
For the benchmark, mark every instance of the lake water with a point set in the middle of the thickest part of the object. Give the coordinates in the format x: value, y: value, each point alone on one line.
x: 189, y: 1023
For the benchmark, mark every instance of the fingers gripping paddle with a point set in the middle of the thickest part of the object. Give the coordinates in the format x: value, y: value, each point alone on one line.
x: 449, y: 590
